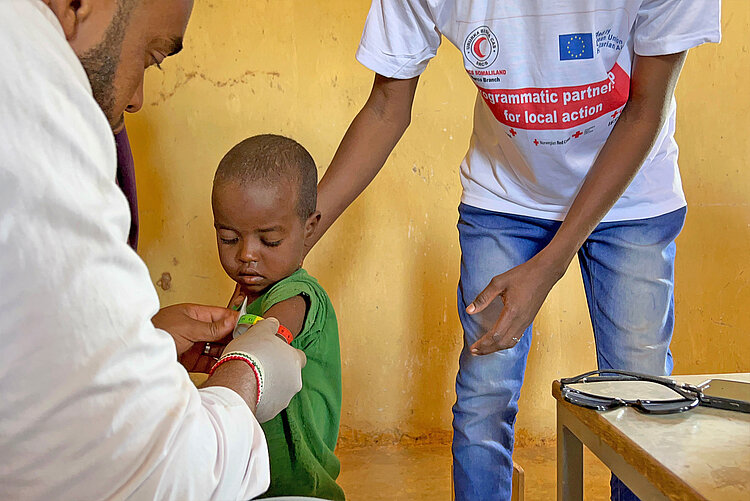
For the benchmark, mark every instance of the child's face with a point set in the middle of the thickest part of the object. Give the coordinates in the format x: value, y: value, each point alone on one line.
x: 261, y: 237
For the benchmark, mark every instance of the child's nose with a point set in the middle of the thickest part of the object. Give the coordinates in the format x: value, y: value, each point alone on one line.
x: 248, y: 254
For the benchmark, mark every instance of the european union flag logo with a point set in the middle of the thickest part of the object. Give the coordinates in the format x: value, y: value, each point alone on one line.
x: 576, y: 46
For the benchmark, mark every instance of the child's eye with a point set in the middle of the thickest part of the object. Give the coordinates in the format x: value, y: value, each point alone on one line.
x: 228, y: 241
x: 272, y: 244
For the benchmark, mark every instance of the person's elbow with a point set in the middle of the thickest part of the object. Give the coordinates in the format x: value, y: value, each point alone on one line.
x: 388, y: 118
x: 215, y: 451
x: 652, y: 87
x: 390, y: 102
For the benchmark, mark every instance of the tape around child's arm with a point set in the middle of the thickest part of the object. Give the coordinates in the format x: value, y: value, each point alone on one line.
x: 248, y: 320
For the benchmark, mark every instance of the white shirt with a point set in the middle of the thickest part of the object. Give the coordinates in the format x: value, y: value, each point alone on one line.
x: 93, y: 403
x: 552, y: 77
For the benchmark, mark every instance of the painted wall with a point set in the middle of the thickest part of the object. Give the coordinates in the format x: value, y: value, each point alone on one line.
x: 390, y: 263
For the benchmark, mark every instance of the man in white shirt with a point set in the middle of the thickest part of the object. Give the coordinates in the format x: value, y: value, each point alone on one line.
x: 572, y: 151
x: 94, y: 402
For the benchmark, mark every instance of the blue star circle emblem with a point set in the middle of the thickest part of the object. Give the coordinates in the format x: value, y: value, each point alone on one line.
x: 575, y: 46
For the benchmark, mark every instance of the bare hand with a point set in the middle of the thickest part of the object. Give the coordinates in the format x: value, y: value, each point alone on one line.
x: 202, y: 356
x: 189, y: 324
x: 522, y: 289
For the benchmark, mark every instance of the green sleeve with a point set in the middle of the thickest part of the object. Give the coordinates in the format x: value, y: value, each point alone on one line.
x: 300, y: 283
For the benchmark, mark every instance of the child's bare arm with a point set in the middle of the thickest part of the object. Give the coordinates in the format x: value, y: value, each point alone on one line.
x: 290, y: 313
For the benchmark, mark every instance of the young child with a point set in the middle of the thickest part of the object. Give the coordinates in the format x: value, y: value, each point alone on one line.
x: 264, y: 200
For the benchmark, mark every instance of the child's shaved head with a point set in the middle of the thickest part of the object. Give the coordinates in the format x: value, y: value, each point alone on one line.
x: 272, y: 159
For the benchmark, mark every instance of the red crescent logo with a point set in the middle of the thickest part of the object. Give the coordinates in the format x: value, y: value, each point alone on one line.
x: 476, y: 47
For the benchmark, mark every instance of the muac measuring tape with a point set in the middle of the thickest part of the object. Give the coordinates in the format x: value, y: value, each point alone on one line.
x: 247, y: 320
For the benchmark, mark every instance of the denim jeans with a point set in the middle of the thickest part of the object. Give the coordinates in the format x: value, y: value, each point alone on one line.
x: 628, y: 275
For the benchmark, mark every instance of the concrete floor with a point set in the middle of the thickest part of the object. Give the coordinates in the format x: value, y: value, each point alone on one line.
x: 422, y: 472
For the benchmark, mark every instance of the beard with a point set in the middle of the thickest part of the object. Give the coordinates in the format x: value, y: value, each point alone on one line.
x: 100, y: 62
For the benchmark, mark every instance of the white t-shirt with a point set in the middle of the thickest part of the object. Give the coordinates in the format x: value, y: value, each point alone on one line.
x: 93, y: 403
x: 552, y: 77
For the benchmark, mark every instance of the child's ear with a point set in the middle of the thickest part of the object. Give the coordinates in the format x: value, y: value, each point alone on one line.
x: 311, y: 224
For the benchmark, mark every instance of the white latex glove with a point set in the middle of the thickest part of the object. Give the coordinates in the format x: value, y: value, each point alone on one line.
x: 280, y: 366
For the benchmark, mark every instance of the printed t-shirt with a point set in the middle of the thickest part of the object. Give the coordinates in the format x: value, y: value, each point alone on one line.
x: 302, y: 438
x: 552, y: 78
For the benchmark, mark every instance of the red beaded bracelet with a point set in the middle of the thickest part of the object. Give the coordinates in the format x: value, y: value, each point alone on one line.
x: 248, y: 361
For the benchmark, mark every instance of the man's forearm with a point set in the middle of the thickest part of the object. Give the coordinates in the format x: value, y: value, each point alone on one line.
x: 365, y: 147
x: 360, y: 156
x: 621, y: 157
x: 238, y: 377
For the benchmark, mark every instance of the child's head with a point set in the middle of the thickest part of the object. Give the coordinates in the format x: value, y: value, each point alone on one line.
x: 264, y: 198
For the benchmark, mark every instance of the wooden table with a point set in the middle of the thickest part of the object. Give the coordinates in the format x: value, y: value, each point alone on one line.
x: 702, y: 454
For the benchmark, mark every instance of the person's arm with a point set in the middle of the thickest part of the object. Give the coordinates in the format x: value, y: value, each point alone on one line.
x: 238, y: 377
x: 290, y: 313
x: 277, y: 374
x: 524, y: 288
x: 196, y: 358
x: 189, y: 324
x: 200, y: 324
x: 371, y: 137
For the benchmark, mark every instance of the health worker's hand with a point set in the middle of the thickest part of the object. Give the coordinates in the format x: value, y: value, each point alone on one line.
x: 189, y: 324
x: 281, y: 366
x: 522, y: 289
x: 202, y: 356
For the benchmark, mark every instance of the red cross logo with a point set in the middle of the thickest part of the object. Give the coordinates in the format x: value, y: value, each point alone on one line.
x: 536, y: 143
x: 512, y: 131
x: 614, y: 115
x: 578, y: 134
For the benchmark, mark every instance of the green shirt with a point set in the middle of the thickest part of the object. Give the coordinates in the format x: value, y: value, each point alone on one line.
x: 302, y: 438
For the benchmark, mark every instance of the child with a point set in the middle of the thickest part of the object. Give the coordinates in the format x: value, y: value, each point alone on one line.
x: 264, y: 199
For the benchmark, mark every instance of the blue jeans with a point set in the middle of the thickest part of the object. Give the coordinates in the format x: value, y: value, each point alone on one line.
x: 628, y: 275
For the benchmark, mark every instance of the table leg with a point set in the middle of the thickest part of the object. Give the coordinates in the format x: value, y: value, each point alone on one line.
x: 569, y: 461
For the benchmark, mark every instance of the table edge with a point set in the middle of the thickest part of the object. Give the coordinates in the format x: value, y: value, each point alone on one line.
x: 665, y: 480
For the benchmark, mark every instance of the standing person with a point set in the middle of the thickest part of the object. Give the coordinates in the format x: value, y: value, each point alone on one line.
x: 95, y: 404
x: 572, y: 151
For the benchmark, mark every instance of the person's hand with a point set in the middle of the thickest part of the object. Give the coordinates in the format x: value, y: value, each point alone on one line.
x: 194, y: 323
x: 202, y: 356
x: 281, y: 366
x: 522, y: 289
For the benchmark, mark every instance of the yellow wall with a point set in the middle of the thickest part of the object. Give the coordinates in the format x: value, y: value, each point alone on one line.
x: 390, y: 264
